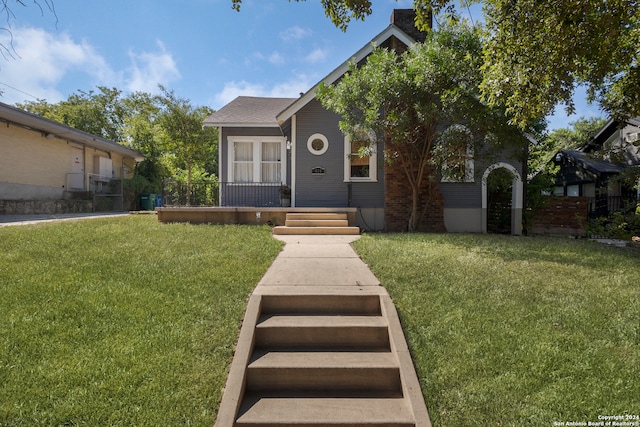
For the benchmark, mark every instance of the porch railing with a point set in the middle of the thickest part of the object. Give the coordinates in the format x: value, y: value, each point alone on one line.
x: 603, y: 206
x: 215, y: 193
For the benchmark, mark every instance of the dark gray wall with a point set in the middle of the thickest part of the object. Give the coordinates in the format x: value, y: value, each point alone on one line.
x: 329, y: 190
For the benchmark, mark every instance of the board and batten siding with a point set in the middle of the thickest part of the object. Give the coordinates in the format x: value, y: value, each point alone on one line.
x: 329, y: 189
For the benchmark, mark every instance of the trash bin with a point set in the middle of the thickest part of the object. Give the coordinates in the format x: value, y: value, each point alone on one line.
x: 147, y: 202
x: 158, y: 200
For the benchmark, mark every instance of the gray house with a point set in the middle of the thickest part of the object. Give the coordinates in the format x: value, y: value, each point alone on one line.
x: 268, y: 143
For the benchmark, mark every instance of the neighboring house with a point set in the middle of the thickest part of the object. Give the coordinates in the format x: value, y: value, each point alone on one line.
x: 592, y: 171
x: 266, y: 142
x: 43, y: 161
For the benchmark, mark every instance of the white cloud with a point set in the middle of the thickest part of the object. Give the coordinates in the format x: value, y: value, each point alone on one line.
x: 316, y: 56
x: 295, y: 33
x: 276, y: 58
x: 42, y: 60
x: 287, y: 89
x: 51, y: 66
x: 149, y: 69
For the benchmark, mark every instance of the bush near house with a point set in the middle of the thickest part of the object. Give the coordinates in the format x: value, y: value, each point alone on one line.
x: 619, y: 225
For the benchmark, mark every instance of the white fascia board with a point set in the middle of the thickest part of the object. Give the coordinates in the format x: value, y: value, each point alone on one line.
x: 391, y: 30
x: 241, y: 125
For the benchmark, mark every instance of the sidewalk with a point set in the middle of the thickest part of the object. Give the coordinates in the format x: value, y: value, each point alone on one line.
x: 7, y: 220
x: 321, y: 344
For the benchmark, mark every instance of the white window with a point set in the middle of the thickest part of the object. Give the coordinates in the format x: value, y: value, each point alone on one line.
x: 256, y: 159
x: 360, y: 159
x: 460, y: 166
x: 455, y: 151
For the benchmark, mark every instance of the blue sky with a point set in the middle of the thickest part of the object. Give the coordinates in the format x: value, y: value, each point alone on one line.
x: 202, y: 49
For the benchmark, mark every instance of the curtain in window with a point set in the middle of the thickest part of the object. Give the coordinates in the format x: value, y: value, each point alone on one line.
x: 271, y: 162
x: 243, y: 162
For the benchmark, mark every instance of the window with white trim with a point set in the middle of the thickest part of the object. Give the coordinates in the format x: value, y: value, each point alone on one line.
x: 456, y: 153
x: 317, y: 144
x: 256, y: 159
x: 360, y: 159
x: 459, y: 167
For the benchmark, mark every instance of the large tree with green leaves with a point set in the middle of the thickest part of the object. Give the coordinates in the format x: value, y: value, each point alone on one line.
x: 538, y: 51
x: 189, y: 144
x: 425, y: 103
x: 165, y: 128
x: 100, y: 112
x: 576, y: 135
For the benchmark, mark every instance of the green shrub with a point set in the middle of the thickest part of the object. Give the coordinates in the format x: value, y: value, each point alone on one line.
x: 619, y: 225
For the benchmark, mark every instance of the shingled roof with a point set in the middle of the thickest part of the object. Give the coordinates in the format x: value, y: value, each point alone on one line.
x: 249, y: 111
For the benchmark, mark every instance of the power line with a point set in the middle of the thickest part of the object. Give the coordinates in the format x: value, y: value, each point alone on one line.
x: 19, y: 90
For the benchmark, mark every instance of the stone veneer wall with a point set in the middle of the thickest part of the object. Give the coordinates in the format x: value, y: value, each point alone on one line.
x: 34, y: 207
x: 398, y: 203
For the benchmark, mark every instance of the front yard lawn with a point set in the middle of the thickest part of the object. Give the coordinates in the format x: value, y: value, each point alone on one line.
x: 515, y: 331
x: 122, y: 322
x: 126, y: 321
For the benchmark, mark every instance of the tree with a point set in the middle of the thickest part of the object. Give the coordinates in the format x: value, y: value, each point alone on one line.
x: 166, y: 129
x: 424, y: 102
x: 573, y: 137
x: 189, y: 144
x: 537, y: 51
x: 100, y: 113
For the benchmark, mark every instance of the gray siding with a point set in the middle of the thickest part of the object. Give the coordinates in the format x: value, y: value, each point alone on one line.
x: 329, y: 190
x: 469, y: 195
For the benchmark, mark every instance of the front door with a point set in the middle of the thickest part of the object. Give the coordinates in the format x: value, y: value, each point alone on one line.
x: 76, y: 178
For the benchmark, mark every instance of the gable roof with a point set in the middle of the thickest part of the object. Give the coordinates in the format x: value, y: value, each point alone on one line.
x: 249, y: 111
x: 595, y: 166
x: 391, y: 31
x: 605, y: 132
x: 53, y: 129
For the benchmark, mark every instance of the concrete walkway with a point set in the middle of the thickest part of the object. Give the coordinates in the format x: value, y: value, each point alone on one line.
x: 321, y: 344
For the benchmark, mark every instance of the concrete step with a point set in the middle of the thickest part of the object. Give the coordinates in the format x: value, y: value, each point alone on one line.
x: 266, y: 411
x: 321, y: 332
x: 316, y: 223
x: 316, y: 216
x: 313, y: 371
x: 343, y: 304
x: 283, y: 230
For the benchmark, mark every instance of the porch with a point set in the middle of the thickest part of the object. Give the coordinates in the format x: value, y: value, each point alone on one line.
x: 273, y: 216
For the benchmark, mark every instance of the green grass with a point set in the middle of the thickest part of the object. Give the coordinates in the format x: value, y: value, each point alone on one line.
x: 122, y: 321
x: 127, y: 321
x: 509, y: 331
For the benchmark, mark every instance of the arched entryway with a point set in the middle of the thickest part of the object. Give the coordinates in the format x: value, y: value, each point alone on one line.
x: 493, y: 188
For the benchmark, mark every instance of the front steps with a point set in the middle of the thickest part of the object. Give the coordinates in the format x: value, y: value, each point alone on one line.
x: 316, y: 223
x: 310, y: 357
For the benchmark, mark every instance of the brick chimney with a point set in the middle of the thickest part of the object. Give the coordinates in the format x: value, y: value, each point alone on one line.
x: 405, y: 20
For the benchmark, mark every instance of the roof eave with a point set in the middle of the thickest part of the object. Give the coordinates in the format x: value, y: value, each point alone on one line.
x: 37, y: 123
x: 240, y: 125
